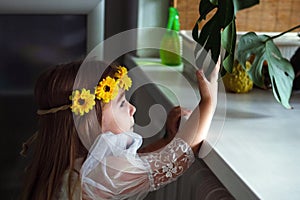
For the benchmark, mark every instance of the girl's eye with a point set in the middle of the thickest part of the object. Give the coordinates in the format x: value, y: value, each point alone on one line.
x: 122, y: 103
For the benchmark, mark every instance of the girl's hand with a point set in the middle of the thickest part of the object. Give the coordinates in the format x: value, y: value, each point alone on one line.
x: 173, y: 121
x: 172, y: 125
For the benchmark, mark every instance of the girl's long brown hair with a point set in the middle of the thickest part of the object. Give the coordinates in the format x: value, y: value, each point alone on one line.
x: 57, y: 144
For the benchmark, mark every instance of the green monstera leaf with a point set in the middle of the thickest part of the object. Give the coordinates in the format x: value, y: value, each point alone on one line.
x: 219, y: 31
x: 210, y: 37
x: 280, y: 70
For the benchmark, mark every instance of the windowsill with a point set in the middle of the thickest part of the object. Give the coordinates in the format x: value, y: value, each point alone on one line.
x: 256, y: 155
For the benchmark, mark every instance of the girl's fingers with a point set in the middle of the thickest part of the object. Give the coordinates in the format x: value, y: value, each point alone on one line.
x: 185, y: 112
x: 214, y: 75
x: 174, y: 118
x: 178, y: 111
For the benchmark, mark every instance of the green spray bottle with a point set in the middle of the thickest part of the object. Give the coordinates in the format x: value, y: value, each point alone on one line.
x: 171, y: 43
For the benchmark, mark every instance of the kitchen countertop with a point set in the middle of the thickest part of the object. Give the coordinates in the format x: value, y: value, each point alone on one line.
x: 253, y: 144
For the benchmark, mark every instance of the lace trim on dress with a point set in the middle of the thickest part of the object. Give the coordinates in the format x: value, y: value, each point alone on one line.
x: 170, y: 163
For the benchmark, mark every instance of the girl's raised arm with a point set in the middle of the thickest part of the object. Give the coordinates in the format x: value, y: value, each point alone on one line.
x: 195, y: 130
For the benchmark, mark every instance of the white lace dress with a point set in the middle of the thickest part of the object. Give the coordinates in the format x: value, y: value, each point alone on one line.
x: 114, y: 170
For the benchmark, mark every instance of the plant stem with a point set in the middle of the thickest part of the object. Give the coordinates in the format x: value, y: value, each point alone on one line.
x: 276, y: 36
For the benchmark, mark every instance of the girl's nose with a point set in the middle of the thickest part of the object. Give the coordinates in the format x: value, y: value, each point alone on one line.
x: 132, y: 110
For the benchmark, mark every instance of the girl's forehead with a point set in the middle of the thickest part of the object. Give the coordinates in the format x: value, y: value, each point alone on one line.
x: 116, y: 100
x: 120, y: 96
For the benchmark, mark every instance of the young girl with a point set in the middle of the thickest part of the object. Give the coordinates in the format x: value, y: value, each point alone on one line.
x: 85, y: 147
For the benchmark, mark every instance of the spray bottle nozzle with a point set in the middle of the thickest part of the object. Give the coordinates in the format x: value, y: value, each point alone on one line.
x: 173, y: 22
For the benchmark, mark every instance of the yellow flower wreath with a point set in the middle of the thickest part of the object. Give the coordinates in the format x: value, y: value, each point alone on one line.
x: 83, y: 101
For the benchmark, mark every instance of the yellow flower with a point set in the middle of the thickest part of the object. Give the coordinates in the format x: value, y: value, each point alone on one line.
x: 82, y: 101
x: 125, y: 82
x: 107, y: 89
x: 122, y: 71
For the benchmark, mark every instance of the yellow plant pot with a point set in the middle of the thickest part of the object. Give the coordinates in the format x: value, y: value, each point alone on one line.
x: 238, y: 81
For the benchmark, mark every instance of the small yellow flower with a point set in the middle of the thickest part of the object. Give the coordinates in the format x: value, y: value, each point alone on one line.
x: 107, y: 89
x: 122, y: 71
x: 82, y: 101
x: 125, y: 82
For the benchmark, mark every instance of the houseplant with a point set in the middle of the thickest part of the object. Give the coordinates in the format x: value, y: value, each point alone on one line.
x: 220, y: 31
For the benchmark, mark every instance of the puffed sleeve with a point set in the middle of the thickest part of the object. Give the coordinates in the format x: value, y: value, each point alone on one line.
x: 169, y: 163
x: 114, y: 170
